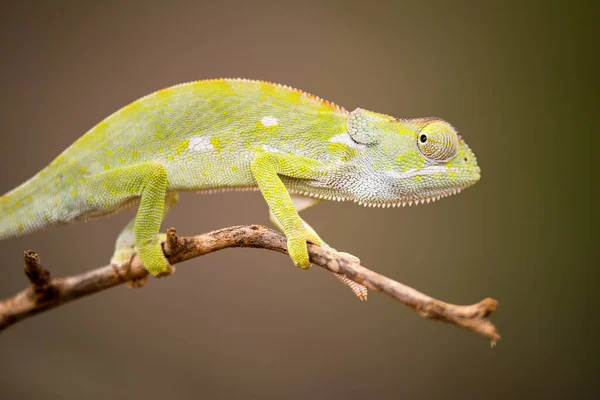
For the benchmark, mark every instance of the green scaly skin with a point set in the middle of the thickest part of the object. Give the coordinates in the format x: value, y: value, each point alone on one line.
x: 235, y: 134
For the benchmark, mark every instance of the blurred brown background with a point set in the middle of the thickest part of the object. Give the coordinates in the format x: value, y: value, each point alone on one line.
x: 517, y: 81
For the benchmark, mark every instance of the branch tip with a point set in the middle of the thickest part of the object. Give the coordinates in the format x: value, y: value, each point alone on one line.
x: 38, y: 276
x: 173, y: 243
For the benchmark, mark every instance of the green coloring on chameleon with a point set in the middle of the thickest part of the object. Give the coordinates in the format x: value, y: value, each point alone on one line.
x: 237, y: 134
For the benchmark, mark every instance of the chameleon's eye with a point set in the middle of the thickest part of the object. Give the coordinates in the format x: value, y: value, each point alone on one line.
x: 438, y: 141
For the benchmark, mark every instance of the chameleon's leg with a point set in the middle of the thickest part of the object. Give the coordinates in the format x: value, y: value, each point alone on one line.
x: 125, y: 244
x: 266, y: 168
x: 147, y: 181
x: 302, y: 203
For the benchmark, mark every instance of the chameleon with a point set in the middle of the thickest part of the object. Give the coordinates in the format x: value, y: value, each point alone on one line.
x: 238, y: 134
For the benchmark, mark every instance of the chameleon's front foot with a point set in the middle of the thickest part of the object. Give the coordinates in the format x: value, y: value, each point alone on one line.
x: 154, y: 259
x: 297, y: 246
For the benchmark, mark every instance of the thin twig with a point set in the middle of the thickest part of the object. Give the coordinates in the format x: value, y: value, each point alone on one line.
x: 46, y: 293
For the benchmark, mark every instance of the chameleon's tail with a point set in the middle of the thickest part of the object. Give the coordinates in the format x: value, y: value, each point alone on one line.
x: 26, y: 209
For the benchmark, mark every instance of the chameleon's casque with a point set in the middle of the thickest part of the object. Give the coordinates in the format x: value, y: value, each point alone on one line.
x: 235, y: 134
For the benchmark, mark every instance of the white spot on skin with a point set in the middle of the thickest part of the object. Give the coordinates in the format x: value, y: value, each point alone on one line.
x: 199, y: 143
x: 344, y: 138
x: 270, y: 149
x: 269, y: 121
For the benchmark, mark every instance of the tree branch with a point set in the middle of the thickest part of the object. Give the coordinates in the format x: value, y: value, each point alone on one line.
x: 46, y: 293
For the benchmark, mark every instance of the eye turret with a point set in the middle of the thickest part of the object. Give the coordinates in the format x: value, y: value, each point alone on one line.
x: 437, y: 141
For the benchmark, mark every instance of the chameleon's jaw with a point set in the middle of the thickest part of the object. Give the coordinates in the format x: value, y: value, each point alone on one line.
x: 396, y: 189
x: 404, y: 203
x: 420, y: 186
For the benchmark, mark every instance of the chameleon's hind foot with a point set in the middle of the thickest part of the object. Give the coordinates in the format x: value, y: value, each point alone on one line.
x: 121, y: 264
x: 155, y: 262
x: 121, y: 258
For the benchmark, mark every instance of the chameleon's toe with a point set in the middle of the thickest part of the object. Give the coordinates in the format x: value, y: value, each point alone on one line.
x: 298, y: 253
x: 153, y: 258
x: 122, y: 258
x: 297, y: 247
x: 121, y: 261
x: 158, y: 266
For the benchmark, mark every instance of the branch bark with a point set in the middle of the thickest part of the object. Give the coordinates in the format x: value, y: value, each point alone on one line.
x: 46, y: 292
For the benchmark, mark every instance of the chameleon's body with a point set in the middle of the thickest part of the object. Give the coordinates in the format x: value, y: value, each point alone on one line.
x: 237, y: 134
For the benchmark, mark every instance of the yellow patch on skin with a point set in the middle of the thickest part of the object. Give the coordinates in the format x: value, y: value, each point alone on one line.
x: 107, y: 167
x: 56, y: 201
x: 417, y: 178
x: 83, y: 169
x: 334, y: 147
x: 20, y: 227
x: 45, y: 190
x: 83, y: 181
x: 234, y: 169
x: 171, y: 158
x: 134, y: 154
x: 74, y: 193
x: 122, y: 161
x: 182, y: 146
x: 18, y: 204
x: 216, y: 142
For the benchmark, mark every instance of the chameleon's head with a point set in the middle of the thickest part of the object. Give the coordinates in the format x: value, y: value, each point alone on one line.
x: 409, y: 161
